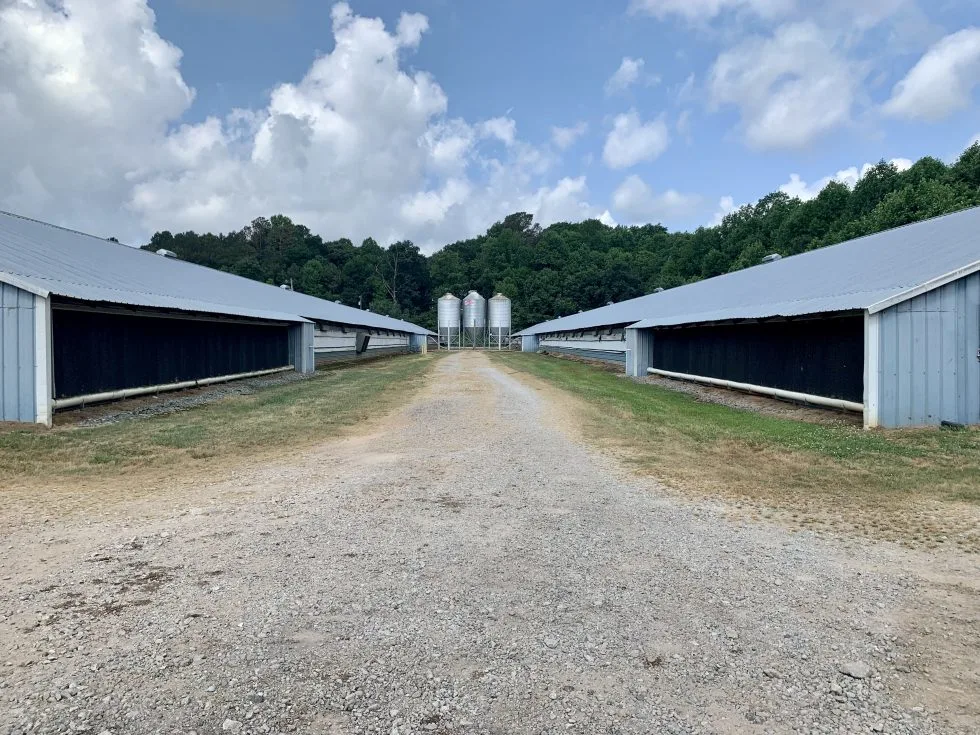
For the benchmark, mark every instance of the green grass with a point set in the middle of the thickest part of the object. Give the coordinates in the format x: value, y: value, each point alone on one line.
x: 237, y: 428
x: 898, y: 484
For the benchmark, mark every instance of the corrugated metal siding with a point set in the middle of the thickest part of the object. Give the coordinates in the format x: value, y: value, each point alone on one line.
x: 301, y: 347
x: 323, y: 358
x: 639, y: 352
x: 529, y: 343
x: 929, y: 370
x: 330, y: 339
x: 605, y: 345
x: 602, y: 355
x: 17, y: 396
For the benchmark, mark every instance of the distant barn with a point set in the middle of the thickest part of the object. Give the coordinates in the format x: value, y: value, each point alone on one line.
x: 83, y: 319
x: 887, y: 324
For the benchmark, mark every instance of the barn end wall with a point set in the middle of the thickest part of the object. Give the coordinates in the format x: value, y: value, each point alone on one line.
x: 927, y: 366
x: 19, y: 355
x: 639, y: 352
x: 530, y: 343
x: 301, y: 347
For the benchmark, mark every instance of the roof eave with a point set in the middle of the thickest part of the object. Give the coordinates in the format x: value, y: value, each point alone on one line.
x: 911, y: 293
x: 24, y: 284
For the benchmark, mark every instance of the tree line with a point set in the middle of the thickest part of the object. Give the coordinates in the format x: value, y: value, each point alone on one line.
x: 561, y: 269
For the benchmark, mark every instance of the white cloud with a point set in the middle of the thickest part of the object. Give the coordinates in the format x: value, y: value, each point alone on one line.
x: 411, y: 26
x: 631, y: 140
x: 797, y: 187
x: 607, y: 219
x: 625, y: 76
x: 635, y: 199
x: 565, y: 202
x: 92, y: 111
x: 565, y: 137
x: 428, y: 207
x: 726, y: 205
x: 906, y: 18
x: 502, y: 128
x: 705, y: 10
x: 790, y: 88
x: 942, y: 81
x: 84, y: 97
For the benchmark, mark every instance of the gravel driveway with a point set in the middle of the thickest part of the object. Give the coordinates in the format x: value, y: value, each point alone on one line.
x: 469, y: 569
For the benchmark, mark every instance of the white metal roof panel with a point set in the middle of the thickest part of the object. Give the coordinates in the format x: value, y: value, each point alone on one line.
x: 852, y: 275
x: 51, y: 259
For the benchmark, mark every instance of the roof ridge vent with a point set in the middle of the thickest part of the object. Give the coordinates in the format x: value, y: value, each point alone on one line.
x: 772, y: 258
x: 167, y: 253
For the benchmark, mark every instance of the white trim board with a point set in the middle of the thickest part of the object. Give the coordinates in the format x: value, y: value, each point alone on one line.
x: 43, y: 362
x: 24, y: 284
x: 966, y: 270
x: 872, y: 369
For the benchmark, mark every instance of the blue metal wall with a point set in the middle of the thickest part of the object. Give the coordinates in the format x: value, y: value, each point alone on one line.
x: 17, y: 395
x: 928, y: 367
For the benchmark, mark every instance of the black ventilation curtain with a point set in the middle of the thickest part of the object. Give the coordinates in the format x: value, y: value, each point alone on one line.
x: 97, y: 352
x: 822, y: 357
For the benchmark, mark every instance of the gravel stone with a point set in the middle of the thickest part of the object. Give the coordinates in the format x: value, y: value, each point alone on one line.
x: 856, y: 670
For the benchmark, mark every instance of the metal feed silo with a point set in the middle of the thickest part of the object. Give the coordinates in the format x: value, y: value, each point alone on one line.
x: 474, y: 320
x: 447, y: 314
x: 499, y: 321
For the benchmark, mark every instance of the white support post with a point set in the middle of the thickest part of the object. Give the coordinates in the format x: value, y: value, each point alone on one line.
x: 43, y: 362
x: 638, y: 352
x: 872, y: 369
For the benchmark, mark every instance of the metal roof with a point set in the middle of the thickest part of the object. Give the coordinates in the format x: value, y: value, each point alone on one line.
x: 47, y: 259
x: 857, y: 274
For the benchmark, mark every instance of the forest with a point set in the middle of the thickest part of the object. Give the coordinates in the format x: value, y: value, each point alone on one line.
x: 561, y: 269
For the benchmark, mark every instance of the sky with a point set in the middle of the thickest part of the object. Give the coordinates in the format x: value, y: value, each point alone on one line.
x: 430, y: 120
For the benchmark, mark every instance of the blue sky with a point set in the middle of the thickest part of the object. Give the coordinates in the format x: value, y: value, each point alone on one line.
x: 444, y: 119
